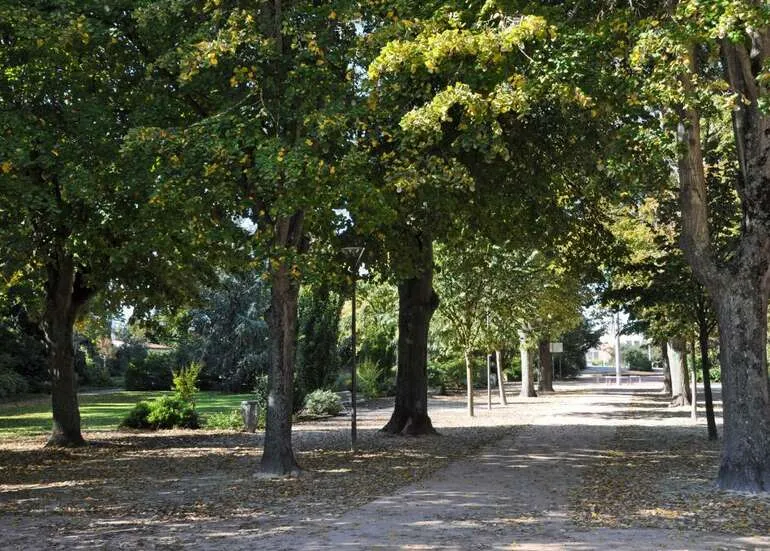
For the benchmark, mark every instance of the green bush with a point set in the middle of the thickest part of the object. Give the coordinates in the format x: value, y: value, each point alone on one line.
x: 227, y: 420
x: 637, y: 360
x: 95, y: 373
x: 154, y: 372
x: 11, y: 383
x: 715, y: 373
x: 372, y: 379
x: 185, y: 382
x: 165, y: 412
x: 447, y: 373
x: 323, y: 402
x: 137, y: 417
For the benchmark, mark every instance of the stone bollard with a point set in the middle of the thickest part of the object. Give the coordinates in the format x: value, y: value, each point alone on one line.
x: 250, y: 414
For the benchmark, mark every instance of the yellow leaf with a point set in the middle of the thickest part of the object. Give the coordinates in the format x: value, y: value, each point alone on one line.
x: 333, y: 15
x: 6, y: 166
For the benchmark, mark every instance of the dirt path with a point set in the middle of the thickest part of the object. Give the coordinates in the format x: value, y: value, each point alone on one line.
x: 519, y: 491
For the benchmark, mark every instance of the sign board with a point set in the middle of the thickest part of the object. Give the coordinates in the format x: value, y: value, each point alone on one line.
x: 557, y: 347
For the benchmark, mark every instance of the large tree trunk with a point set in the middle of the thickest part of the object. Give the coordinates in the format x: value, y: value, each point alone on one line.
x: 416, y: 303
x: 500, y: 385
x: 546, y: 366
x: 703, y: 339
x: 742, y: 314
x: 527, y: 369
x: 278, y: 455
x: 667, y: 387
x: 739, y: 287
x: 65, y: 295
x: 680, y: 379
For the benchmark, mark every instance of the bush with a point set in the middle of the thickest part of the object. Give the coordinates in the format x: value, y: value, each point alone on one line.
x: 447, y: 373
x: 137, y: 417
x: 154, y: 372
x: 95, y: 373
x: 638, y: 360
x: 323, y: 402
x: 228, y: 420
x: 372, y: 379
x: 185, y: 381
x: 165, y: 412
x: 715, y: 373
x: 11, y: 383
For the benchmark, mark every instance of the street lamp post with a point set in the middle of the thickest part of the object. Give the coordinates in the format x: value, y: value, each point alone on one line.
x: 356, y: 253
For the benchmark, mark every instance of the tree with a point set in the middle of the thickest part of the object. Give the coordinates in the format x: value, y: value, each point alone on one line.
x: 692, y: 59
x: 76, y: 219
x: 275, y: 94
x: 473, y: 144
x: 463, y: 281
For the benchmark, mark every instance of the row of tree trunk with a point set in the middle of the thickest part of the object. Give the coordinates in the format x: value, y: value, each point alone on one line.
x: 677, y: 377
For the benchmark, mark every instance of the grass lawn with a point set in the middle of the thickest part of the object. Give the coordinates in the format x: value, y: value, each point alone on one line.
x: 32, y: 416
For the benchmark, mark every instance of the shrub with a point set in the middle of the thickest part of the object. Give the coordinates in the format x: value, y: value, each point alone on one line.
x: 165, y: 412
x: 447, y: 373
x: 638, y: 360
x: 715, y: 373
x: 168, y: 412
x: 95, y: 373
x: 185, y: 381
x: 261, y: 390
x: 323, y: 402
x: 372, y: 379
x: 153, y: 372
x: 137, y: 417
x: 227, y: 420
x: 11, y: 383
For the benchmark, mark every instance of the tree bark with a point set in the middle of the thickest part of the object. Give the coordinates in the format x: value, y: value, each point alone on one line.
x: 278, y: 455
x: 742, y: 315
x: 500, y: 386
x: 680, y: 380
x: 703, y: 340
x: 667, y: 386
x: 417, y: 301
x: 527, y: 370
x: 738, y: 287
x: 546, y: 366
x: 469, y: 381
x: 65, y: 296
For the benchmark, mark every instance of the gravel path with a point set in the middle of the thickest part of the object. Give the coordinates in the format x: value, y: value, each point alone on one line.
x: 513, y: 495
x: 516, y: 492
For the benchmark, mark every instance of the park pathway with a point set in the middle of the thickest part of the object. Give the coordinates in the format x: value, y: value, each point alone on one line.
x: 513, y: 495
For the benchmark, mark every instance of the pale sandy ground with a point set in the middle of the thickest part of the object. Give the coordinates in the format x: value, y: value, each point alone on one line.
x: 514, y: 494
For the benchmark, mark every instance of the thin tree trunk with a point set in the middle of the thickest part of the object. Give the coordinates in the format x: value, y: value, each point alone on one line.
x: 278, y: 455
x: 680, y: 380
x: 417, y: 301
x: 527, y: 370
x: 65, y: 295
x: 703, y: 338
x: 693, y: 383
x: 500, y: 386
x: 469, y: 381
x: 546, y: 366
x: 667, y: 386
x: 489, y: 381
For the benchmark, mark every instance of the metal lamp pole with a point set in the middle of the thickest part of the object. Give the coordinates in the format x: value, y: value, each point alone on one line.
x: 356, y: 253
